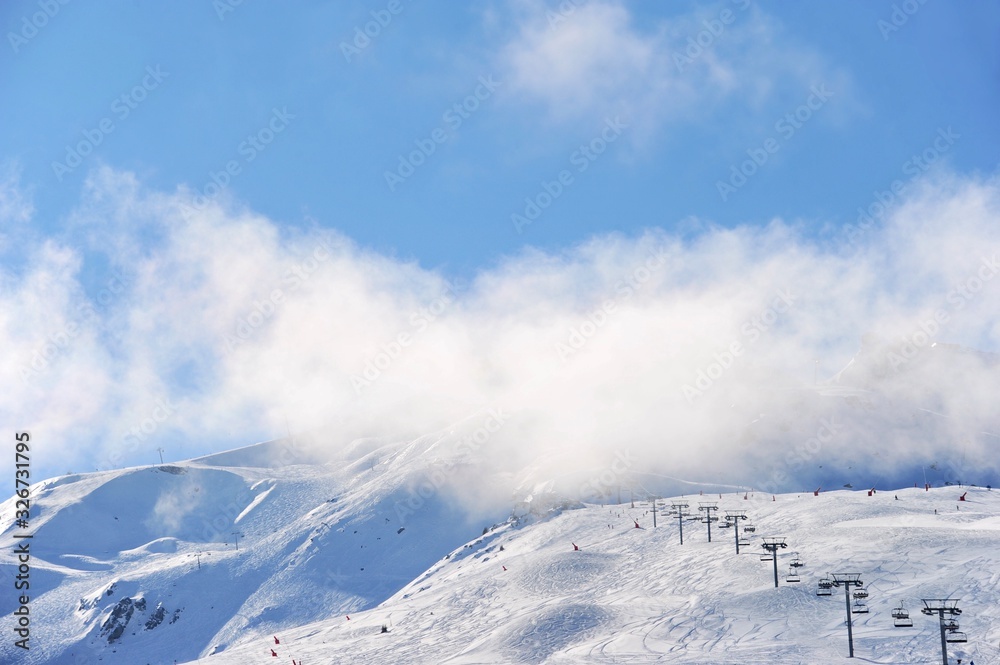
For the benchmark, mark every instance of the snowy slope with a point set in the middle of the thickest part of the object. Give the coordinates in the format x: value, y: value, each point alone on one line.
x: 636, y: 596
x: 313, y: 540
x: 142, y: 566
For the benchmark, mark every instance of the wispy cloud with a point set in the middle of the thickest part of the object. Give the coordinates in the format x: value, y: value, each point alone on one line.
x: 586, y: 60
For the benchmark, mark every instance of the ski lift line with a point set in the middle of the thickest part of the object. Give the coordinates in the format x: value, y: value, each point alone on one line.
x: 692, y: 482
x: 947, y: 417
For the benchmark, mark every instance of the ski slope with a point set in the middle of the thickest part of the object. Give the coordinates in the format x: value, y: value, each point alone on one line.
x: 636, y: 596
x: 149, y: 557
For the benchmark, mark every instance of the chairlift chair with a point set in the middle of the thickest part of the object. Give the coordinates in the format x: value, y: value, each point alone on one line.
x: 796, y: 564
x: 744, y: 542
x: 956, y: 636
x: 725, y: 525
x: 860, y: 595
x: 750, y: 528
x: 793, y: 575
x: 859, y: 608
x: 901, y: 618
x: 824, y: 590
x: 766, y: 557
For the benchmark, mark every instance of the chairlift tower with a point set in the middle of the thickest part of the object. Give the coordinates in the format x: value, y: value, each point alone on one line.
x: 847, y: 580
x: 680, y: 510
x: 733, y: 518
x: 708, y: 507
x: 772, y: 545
x: 943, y: 607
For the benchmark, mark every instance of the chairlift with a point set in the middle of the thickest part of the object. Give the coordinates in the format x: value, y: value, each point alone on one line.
x: 824, y: 591
x: 860, y: 595
x: 744, y: 542
x: 725, y: 525
x: 793, y: 575
x: 750, y: 528
x: 767, y: 557
x: 859, y: 608
x: 951, y: 625
x: 956, y: 636
x: 901, y: 618
x: 796, y: 564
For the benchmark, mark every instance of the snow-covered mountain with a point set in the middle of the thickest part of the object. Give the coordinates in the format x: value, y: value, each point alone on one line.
x: 214, y: 558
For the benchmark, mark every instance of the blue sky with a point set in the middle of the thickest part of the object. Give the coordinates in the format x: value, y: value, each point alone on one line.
x: 226, y: 68
x: 456, y: 148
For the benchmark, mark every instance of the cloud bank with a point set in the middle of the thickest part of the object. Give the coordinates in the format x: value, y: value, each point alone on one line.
x: 155, y: 323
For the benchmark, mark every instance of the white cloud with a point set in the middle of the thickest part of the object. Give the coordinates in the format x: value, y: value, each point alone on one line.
x: 226, y: 325
x: 594, y: 59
